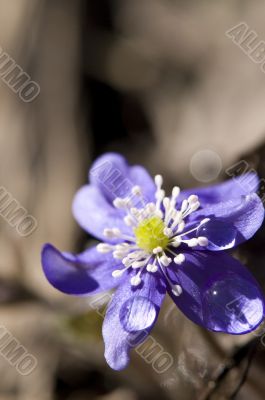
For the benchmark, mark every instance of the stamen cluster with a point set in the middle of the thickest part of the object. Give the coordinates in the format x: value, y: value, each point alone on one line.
x: 158, y: 229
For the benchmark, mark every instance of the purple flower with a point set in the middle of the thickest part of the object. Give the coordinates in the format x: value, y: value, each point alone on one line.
x: 153, y: 244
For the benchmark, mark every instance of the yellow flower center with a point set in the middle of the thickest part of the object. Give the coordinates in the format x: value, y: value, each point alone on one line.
x: 150, y: 234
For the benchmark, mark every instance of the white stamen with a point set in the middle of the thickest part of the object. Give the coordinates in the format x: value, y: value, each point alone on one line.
x: 167, y: 206
x: 203, y: 241
x: 191, y: 242
x: 119, y: 255
x: 136, y: 213
x: 117, y: 273
x: 150, y: 207
x: 142, y: 214
x: 179, y: 259
x: 159, y: 214
x: 119, y: 203
x: 104, y: 248
x: 136, y: 191
x: 176, y: 289
x: 157, y: 250
x: 136, y: 280
x: 124, y: 247
x: 181, y: 227
x: 139, y: 264
x: 122, y: 202
x: 127, y: 262
x: 166, y: 202
x: 159, y: 181
x: 170, y: 215
x: 165, y: 261
x: 168, y: 232
x: 116, y: 232
x: 194, y: 206
x: 152, y: 268
x: 112, y: 233
x: 129, y: 220
x: 160, y: 194
x: 177, y: 242
x: 184, y: 206
x: 193, y: 199
x: 177, y: 219
x: 134, y: 257
x: 175, y: 192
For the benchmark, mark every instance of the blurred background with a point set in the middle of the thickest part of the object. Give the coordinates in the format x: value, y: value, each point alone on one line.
x: 160, y: 82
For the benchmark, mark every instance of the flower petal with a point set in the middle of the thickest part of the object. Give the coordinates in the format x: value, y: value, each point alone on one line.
x: 115, y: 178
x: 85, y: 273
x: 110, y: 177
x: 219, y: 293
x: 130, y: 317
x: 231, y: 189
x: 231, y: 222
x: 94, y: 213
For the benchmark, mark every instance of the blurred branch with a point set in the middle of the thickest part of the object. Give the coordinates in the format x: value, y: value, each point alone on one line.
x: 245, y: 352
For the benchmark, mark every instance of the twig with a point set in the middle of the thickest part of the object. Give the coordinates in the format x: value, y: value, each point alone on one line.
x: 252, y: 352
x: 248, y: 350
